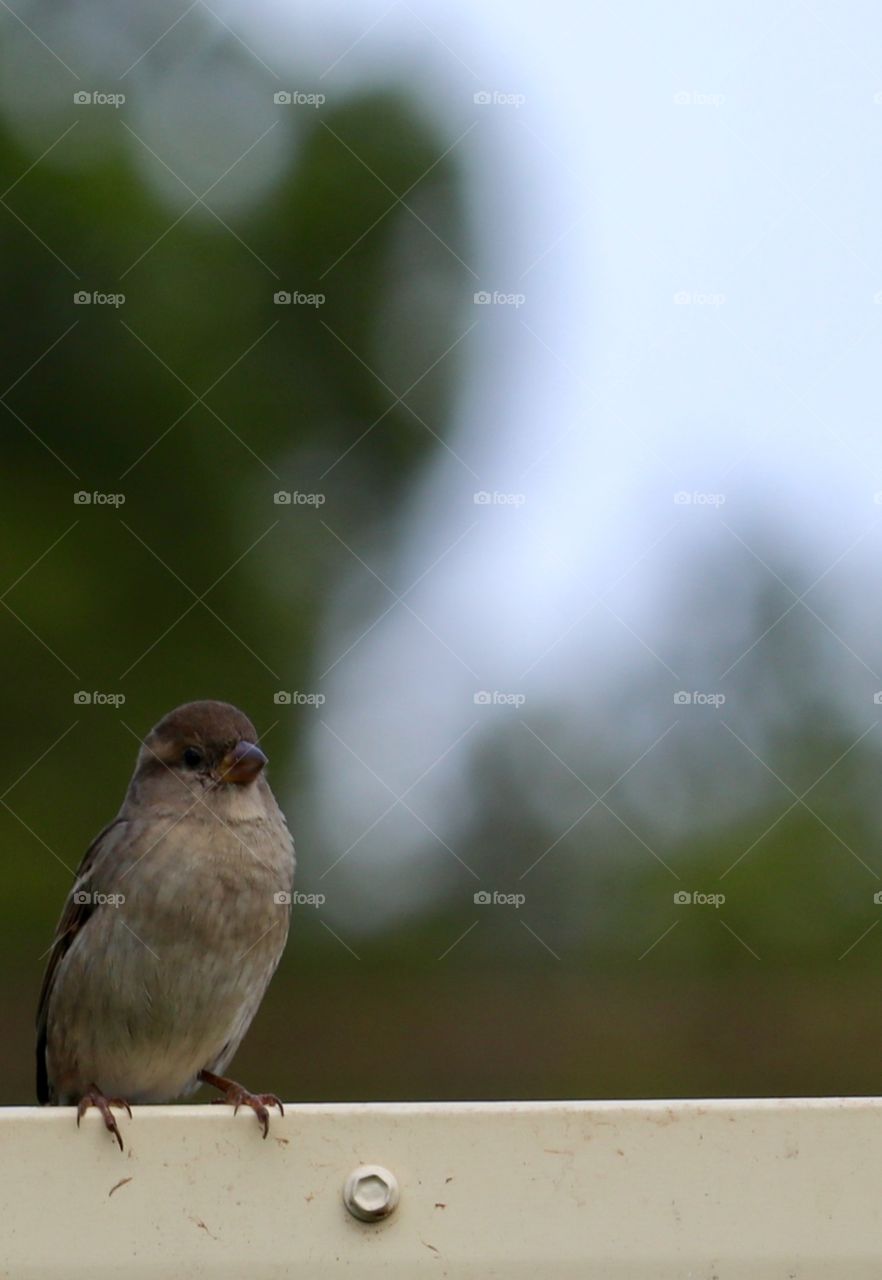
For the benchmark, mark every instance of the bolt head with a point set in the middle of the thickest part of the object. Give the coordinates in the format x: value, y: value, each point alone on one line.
x: 371, y: 1193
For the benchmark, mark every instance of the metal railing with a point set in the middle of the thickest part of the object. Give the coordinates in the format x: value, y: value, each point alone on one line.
x: 727, y: 1188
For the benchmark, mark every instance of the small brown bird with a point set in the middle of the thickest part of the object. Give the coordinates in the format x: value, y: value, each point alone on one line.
x: 173, y: 928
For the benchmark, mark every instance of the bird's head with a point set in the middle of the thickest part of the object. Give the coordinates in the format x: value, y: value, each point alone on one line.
x: 201, y: 750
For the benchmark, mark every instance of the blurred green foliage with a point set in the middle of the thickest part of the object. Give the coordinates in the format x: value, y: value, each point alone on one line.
x: 196, y: 399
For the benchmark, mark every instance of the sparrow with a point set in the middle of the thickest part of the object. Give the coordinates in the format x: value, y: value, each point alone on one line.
x: 175, y: 924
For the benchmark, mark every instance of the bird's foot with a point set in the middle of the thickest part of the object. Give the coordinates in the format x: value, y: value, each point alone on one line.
x: 95, y: 1098
x: 237, y: 1096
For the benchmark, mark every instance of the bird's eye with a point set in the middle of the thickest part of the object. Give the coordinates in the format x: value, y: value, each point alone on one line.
x: 192, y: 757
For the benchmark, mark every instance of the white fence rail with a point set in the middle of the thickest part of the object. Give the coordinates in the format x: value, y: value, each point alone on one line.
x: 728, y: 1189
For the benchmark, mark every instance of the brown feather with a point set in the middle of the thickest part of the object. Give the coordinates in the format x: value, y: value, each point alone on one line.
x: 74, y: 917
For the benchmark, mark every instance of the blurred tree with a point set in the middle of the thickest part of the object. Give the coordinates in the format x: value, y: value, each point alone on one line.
x: 194, y: 401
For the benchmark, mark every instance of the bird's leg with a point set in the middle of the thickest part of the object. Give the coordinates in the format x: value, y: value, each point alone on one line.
x: 237, y: 1096
x: 93, y: 1097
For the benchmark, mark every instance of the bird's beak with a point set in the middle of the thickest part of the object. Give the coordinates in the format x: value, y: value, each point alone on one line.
x: 242, y: 764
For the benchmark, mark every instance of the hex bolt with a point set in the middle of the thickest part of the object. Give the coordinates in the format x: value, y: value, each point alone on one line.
x: 371, y: 1193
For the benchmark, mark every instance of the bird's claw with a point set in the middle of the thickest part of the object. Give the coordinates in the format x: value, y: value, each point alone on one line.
x: 237, y: 1096
x: 259, y: 1102
x: 95, y: 1098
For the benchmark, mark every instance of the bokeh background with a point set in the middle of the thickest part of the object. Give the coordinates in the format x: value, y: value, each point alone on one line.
x: 557, y: 329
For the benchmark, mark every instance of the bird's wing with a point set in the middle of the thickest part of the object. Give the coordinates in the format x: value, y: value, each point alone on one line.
x: 74, y: 917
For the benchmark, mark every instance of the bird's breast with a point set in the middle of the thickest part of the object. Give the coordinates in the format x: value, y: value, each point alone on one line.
x: 211, y: 876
